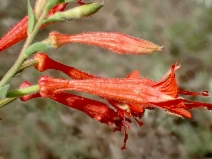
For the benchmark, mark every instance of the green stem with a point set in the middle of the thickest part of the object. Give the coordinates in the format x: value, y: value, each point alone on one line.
x: 21, y: 57
x: 6, y: 101
x: 26, y: 64
x: 13, y: 95
x: 23, y: 91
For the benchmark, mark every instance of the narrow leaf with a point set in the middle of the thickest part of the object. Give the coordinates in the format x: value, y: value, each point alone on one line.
x: 31, y: 18
x: 3, y: 91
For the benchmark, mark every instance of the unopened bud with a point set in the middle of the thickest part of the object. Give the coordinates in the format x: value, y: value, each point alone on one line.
x: 75, y: 13
x: 116, y: 42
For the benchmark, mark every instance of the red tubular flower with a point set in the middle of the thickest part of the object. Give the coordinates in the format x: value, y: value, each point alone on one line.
x: 116, y: 42
x: 167, y: 85
x: 95, y: 109
x: 47, y: 63
x: 130, y: 91
x: 136, y: 110
x: 19, y: 31
x: 136, y: 93
x: 122, y: 108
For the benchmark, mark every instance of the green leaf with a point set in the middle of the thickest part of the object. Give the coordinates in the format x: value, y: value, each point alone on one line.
x: 31, y: 18
x: 3, y: 91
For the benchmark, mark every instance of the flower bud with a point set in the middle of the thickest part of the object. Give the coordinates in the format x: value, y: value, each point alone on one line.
x: 116, y: 42
x: 75, y: 13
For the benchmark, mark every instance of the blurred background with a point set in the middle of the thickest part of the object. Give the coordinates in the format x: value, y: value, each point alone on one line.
x: 43, y: 129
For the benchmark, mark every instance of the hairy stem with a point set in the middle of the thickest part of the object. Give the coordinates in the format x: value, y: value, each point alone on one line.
x: 6, y: 101
x: 13, y: 95
x: 23, y: 91
x: 26, y: 64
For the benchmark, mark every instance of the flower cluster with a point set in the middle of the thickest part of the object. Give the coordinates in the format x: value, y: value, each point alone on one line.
x: 125, y: 98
